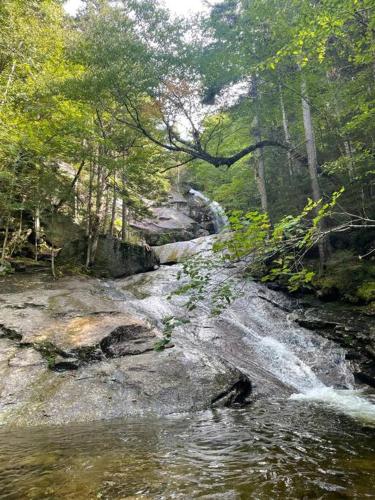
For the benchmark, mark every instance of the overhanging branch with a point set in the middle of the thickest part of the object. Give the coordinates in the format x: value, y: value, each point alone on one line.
x: 194, y: 149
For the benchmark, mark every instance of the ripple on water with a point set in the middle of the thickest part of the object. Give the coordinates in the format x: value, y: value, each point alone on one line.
x: 277, y: 449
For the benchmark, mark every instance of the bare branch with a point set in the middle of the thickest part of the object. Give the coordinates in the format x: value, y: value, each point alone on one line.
x: 176, y: 166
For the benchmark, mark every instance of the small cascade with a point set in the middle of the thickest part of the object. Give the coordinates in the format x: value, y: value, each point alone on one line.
x: 279, y: 360
x: 219, y: 218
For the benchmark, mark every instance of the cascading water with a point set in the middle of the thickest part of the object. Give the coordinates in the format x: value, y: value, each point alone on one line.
x: 219, y: 218
x: 277, y: 355
x: 280, y: 360
x: 252, y: 334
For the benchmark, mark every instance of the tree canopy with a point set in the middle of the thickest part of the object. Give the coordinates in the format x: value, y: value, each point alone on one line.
x: 262, y: 104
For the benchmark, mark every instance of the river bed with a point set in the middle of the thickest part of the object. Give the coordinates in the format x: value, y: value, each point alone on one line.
x: 271, y: 449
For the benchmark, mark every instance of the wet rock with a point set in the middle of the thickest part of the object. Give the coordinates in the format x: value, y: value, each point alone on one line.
x: 350, y: 328
x: 79, y: 356
x: 8, y: 333
x: 238, y: 395
x: 128, y: 340
x: 173, y: 253
x: 365, y: 378
x: 316, y: 324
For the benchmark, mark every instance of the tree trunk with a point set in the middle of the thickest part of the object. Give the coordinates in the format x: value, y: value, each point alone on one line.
x: 53, y: 270
x: 349, y: 155
x: 313, y: 164
x: 89, y: 217
x: 76, y: 204
x: 123, y: 212
x: 72, y: 184
x: 99, y: 189
x: 21, y: 222
x: 9, y: 82
x: 288, y: 140
x: 5, y: 242
x: 106, y: 212
x: 259, y: 153
x: 96, y: 227
x: 260, y: 178
x: 37, y: 230
x: 114, y: 203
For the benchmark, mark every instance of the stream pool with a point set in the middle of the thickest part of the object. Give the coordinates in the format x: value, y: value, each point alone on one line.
x: 270, y: 450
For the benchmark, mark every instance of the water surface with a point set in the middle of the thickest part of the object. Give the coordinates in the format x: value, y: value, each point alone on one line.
x: 275, y: 449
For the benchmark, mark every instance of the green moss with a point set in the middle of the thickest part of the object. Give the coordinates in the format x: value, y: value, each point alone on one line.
x: 51, y: 360
x: 71, y: 269
x: 49, y: 352
x: 165, y: 239
x: 366, y: 291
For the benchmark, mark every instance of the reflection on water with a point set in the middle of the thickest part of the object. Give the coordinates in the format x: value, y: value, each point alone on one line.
x: 279, y: 449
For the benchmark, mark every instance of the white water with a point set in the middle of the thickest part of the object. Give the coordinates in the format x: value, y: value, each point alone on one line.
x: 261, y: 341
x: 219, y: 218
x: 352, y: 403
x: 291, y: 370
x: 279, y: 359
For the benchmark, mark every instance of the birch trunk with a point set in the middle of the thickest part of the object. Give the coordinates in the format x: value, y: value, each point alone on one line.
x: 287, y: 136
x: 114, y: 203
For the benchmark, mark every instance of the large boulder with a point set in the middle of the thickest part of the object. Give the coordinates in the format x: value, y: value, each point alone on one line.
x: 71, y: 351
x: 115, y: 258
x: 181, y: 217
x: 177, y: 252
x: 167, y: 225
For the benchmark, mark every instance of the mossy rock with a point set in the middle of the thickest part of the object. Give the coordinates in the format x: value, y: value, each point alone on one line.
x: 5, y: 269
x: 366, y: 292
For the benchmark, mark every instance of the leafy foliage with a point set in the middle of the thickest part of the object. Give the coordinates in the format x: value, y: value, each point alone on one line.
x: 259, y: 250
x: 169, y: 325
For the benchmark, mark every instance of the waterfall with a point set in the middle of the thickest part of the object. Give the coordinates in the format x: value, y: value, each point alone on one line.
x: 279, y: 357
x: 219, y: 218
x: 280, y: 361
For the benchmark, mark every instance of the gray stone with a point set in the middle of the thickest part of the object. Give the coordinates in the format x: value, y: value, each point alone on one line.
x: 115, y: 258
x: 72, y: 352
x: 181, y: 217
